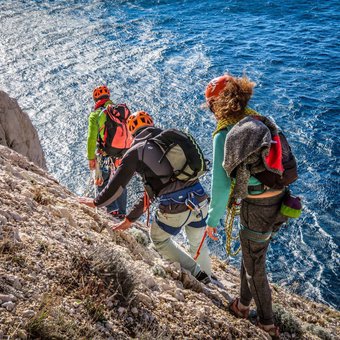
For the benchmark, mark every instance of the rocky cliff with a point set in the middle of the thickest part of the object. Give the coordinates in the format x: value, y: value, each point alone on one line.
x: 64, y: 275
x: 17, y: 131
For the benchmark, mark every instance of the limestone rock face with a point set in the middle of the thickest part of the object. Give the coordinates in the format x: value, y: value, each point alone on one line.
x: 64, y: 274
x: 17, y: 131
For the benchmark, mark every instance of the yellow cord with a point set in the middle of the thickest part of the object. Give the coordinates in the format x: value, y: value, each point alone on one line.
x: 232, y: 211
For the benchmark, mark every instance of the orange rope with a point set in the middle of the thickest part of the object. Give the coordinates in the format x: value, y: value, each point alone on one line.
x: 147, y: 207
x: 200, y: 246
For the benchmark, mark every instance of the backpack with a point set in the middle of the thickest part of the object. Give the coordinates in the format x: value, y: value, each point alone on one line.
x: 182, y: 152
x: 116, y: 136
x: 289, y: 174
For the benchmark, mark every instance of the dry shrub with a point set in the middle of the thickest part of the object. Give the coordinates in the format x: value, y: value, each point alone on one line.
x: 51, y: 322
x: 8, y: 246
x: 321, y: 332
x: 149, y: 329
x: 286, y: 321
x: 109, y: 265
x: 95, y: 309
x: 41, y: 197
x: 104, y: 271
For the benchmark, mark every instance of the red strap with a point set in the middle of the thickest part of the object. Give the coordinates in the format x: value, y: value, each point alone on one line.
x: 274, y: 158
x: 147, y: 207
x: 117, y: 162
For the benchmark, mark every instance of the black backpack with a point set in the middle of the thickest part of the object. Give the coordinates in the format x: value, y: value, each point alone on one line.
x: 183, y: 153
x: 116, y: 139
x: 290, y: 173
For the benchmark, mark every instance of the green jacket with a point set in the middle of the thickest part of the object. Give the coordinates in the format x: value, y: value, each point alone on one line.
x: 95, y: 124
x: 220, y: 182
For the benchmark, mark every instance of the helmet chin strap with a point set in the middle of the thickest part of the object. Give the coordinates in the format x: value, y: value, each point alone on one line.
x: 139, y: 131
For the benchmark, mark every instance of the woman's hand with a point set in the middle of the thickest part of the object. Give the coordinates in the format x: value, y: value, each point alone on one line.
x: 92, y: 164
x: 212, y: 233
x: 87, y: 201
x: 126, y: 224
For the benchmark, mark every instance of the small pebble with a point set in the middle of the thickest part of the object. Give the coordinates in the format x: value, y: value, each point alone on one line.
x: 6, y: 298
x: 121, y: 310
x: 8, y: 305
x: 29, y: 313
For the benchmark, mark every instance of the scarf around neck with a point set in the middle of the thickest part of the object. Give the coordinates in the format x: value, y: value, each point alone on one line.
x: 225, y: 122
x: 101, y: 102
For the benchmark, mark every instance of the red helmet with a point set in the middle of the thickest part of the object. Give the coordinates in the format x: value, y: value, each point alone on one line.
x: 216, y: 86
x: 138, y: 120
x: 101, y: 92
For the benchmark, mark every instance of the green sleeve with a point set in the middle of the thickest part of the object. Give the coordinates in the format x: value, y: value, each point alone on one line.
x: 92, y: 133
x: 220, y: 184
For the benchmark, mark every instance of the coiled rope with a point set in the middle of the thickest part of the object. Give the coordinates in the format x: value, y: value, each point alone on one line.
x: 233, y: 210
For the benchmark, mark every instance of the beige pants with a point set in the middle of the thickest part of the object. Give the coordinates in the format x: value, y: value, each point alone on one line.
x: 170, y: 249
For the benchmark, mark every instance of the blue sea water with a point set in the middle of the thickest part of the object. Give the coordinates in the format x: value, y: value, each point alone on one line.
x: 159, y: 56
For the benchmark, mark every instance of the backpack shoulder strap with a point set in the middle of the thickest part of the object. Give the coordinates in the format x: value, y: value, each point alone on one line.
x: 121, y: 111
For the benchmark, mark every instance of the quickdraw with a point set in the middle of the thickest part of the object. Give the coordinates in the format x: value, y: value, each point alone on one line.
x: 233, y: 209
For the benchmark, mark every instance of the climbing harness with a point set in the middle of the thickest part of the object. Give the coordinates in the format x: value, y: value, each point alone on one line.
x: 187, y: 196
x: 184, y: 196
x: 233, y: 210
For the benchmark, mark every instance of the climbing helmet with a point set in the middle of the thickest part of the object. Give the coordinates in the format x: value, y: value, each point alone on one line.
x: 101, y: 92
x: 215, y: 87
x: 138, y: 120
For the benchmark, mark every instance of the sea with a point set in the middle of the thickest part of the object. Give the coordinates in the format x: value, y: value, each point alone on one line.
x: 159, y: 56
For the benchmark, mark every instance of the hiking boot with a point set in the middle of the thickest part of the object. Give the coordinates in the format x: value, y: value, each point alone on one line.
x: 233, y: 309
x: 214, y: 277
x: 203, y: 277
x: 274, y: 331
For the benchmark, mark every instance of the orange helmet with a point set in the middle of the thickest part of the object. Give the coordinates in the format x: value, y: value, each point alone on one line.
x: 215, y: 87
x: 138, y: 120
x: 100, y: 92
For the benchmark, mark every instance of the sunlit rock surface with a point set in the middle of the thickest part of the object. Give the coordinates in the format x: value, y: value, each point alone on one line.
x: 64, y: 275
x: 17, y: 131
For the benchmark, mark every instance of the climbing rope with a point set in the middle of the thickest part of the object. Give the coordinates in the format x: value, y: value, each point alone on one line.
x: 233, y: 210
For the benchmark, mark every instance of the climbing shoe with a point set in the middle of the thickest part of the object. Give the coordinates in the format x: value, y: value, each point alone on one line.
x: 233, y: 309
x: 116, y: 214
x: 203, y: 277
x: 274, y: 331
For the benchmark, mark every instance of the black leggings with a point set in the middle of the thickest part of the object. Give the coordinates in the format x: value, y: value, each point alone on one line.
x: 259, y: 216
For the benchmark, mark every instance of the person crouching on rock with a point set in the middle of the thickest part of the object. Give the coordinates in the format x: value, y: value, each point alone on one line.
x: 144, y: 158
x: 227, y: 98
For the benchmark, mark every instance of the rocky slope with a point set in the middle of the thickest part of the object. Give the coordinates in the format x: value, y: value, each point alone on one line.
x: 17, y: 131
x: 64, y: 275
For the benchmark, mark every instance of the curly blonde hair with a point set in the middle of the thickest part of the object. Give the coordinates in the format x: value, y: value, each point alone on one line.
x: 234, y: 98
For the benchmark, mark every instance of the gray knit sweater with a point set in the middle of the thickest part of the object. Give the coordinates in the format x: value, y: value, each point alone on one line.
x: 247, y: 144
